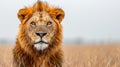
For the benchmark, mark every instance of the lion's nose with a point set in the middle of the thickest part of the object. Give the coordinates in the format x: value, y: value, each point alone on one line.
x: 41, y: 34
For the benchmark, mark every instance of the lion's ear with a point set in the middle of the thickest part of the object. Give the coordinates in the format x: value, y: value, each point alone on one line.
x: 57, y: 13
x: 24, y: 13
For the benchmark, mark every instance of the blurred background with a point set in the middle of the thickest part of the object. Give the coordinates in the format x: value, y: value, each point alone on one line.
x: 86, y: 21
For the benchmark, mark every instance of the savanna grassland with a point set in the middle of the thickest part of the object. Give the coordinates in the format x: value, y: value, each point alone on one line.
x: 100, y: 55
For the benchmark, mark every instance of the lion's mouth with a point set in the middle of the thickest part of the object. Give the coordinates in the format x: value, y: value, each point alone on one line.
x: 41, y: 42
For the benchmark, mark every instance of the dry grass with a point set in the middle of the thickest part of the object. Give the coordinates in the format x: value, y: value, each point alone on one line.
x: 77, y: 56
x: 6, y: 56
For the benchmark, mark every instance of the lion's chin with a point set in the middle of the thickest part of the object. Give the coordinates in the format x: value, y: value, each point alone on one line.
x: 40, y: 46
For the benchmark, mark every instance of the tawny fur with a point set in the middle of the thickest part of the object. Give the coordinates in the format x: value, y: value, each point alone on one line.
x: 24, y: 54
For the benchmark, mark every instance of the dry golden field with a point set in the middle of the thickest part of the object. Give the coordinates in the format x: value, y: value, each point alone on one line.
x: 107, y: 55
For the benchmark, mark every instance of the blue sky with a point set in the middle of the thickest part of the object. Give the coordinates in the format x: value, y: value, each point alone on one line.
x: 91, y: 20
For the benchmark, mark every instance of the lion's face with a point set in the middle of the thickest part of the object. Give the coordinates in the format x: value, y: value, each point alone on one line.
x: 40, y: 26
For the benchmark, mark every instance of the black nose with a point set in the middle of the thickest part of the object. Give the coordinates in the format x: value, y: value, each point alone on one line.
x: 41, y: 34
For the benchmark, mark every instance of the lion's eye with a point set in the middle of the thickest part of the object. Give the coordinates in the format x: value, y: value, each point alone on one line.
x: 33, y: 23
x: 49, y: 23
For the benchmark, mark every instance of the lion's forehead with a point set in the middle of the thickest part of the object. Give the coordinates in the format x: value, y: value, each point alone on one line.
x: 41, y: 16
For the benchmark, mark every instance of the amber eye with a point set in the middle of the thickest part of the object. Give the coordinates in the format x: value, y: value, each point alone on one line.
x: 33, y: 23
x: 49, y: 23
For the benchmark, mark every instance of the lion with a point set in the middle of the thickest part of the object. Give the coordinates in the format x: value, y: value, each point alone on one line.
x: 39, y: 40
